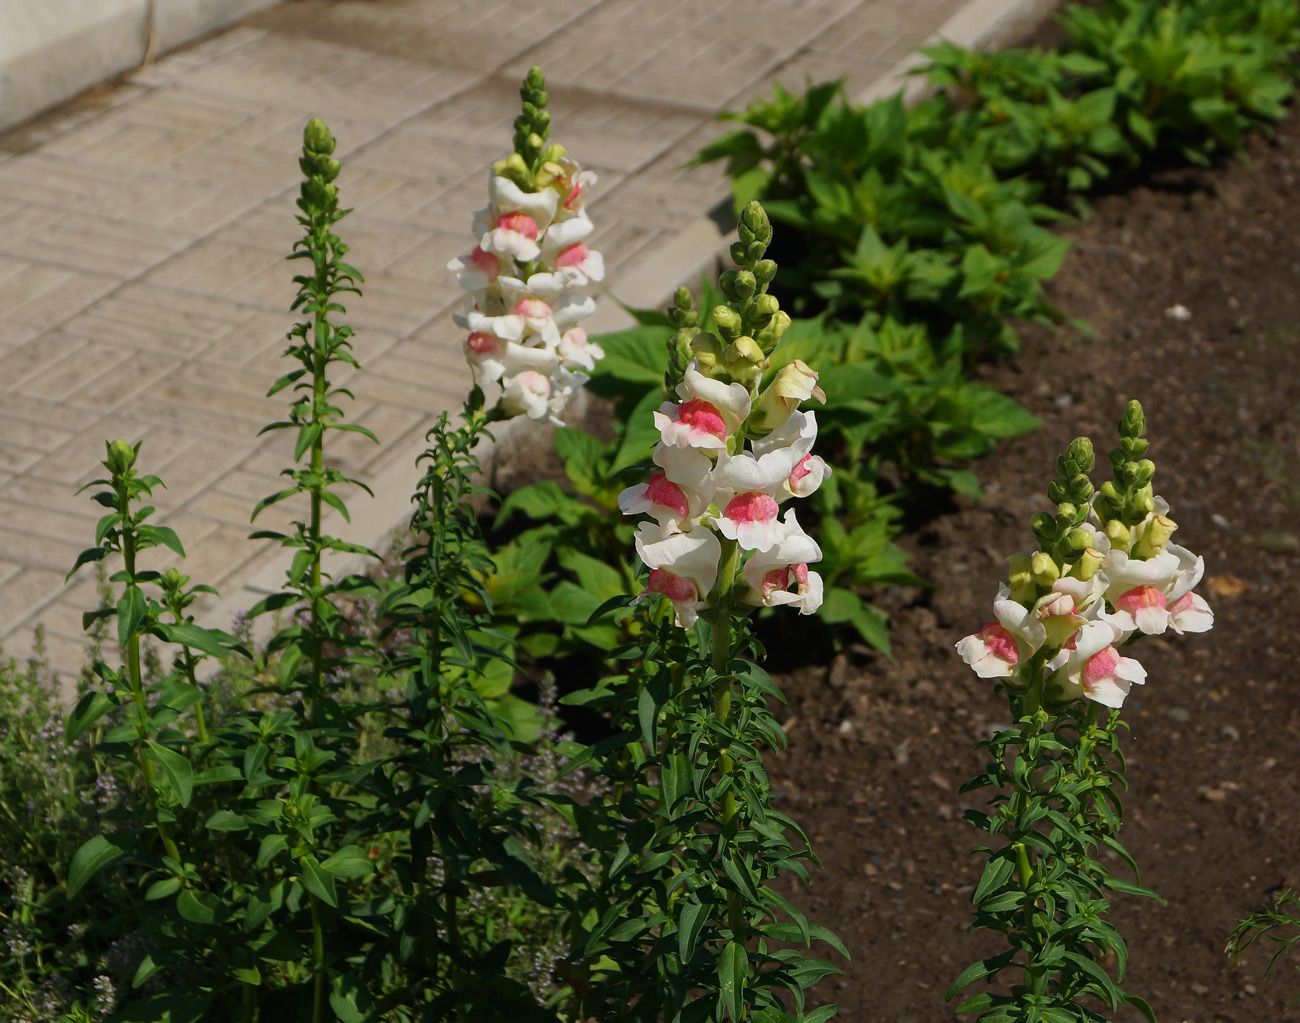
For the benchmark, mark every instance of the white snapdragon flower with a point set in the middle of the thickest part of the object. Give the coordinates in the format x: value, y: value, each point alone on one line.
x: 683, y: 567
x: 1153, y: 595
x: 770, y: 575
x: 677, y: 495
x: 709, y: 412
x: 1094, y: 669
x: 1001, y: 646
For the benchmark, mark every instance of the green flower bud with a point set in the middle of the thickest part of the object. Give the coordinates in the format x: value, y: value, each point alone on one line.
x: 765, y: 271
x: 680, y: 354
x: 1118, y: 534
x: 727, y: 283
x: 1021, y: 579
x: 1145, y: 470
x: 1087, y: 564
x: 1140, y: 504
x: 683, y: 299
x: 727, y: 321
x: 535, y: 78
x: 316, y: 137
x: 1044, y: 527
x: 514, y: 168
x: 534, y: 143
x: 1081, y: 454
x: 1056, y: 491
x: 770, y: 336
x: 744, y: 360
x: 1133, y: 423
x: 1072, y: 544
x: 1079, y: 489
x: 754, y: 252
x: 1154, y: 537
x: 709, y: 351
x: 1044, y: 570
x: 121, y: 456
x: 737, y: 251
x: 754, y: 225
x: 1067, y: 514
x: 744, y: 284
x: 763, y: 308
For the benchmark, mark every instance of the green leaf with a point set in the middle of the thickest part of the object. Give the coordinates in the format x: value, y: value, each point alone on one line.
x: 844, y: 606
x: 226, y: 820
x: 691, y: 919
x: 191, y: 635
x: 317, y: 881
x: 349, y: 861
x: 176, y: 769
x: 85, y: 557
x: 733, y: 971
x: 197, y: 907
x: 92, y: 857
x: 164, y: 535
x: 131, y: 613
x: 89, y: 709
x: 351, y: 1000
x: 978, y: 971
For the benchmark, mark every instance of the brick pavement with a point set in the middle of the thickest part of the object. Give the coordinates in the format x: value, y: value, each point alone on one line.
x: 143, y: 291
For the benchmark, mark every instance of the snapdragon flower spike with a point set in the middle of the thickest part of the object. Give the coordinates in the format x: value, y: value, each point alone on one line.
x: 521, y: 282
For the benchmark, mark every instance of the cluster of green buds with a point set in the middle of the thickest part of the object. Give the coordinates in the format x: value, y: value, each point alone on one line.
x: 747, y: 327
x: 1131, y: 516
x: 533, y: 164
x: 318, y: 166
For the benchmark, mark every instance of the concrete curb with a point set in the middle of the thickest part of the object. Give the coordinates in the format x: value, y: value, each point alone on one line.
x: 649, y: 282
x: 50, y: 50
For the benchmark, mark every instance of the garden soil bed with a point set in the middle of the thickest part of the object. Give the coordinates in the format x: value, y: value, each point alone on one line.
x: 879, y: 748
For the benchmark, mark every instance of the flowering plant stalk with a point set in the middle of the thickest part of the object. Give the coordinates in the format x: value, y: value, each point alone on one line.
x: 682, y: 921
x: 1105, y: 574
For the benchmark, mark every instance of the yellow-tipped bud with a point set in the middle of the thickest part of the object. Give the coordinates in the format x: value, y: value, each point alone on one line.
x: 1044, y: 570
x: 1154, y: 537
x: 1087, y: 564
x: 1118, y: 534
x: 1021, y: 579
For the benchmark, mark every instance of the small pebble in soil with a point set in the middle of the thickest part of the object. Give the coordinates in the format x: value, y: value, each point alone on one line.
x: 1179, y: 312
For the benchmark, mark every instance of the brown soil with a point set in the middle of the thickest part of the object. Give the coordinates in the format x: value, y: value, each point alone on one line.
x: 879, y: 749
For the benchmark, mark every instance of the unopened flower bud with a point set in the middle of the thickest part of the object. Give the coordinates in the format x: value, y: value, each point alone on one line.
x: 1067, y: 513
x: 727, y: 321
x: 1021, y: 580
x: 744, y: 284
x: 795, y: 382
x: 683, y: 299
x: 1139, y: 505
x: 1118, y: 534
x: 1073, y: 543
x: 737, y: 251
x: 744, y: 361
x: 765, y: 271
x: 1056, y: 491
x: 1044, y: 527
x: 1080, y: 453
x: 515, y: 169
x: 754, y: 251
x: 680, y: 355
x: 1156, y: 534
x: 754, y: 225
x: 1079, y: 489
x: 316, y: 137
x: 1086, y: 564
x: 1044, y: 570
x: 1146, y: 469
x: 770, y: 336
x: 1133, y: 423
x: 708, y: 349
x: 121, y: 456
x: 763, y: 308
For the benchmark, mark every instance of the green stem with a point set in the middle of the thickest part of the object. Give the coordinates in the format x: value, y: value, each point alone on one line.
x: 248, y: 1011
x: 136, y: 679
x: 318, y: 961
x: 721, y: 626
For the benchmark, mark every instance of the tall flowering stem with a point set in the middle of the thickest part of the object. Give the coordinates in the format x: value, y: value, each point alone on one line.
x: 523, y: 277
x: 1105, y: 574
x: 682, y: 919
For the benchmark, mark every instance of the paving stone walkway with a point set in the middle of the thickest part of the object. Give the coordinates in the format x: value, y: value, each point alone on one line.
x: 143, y: 289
